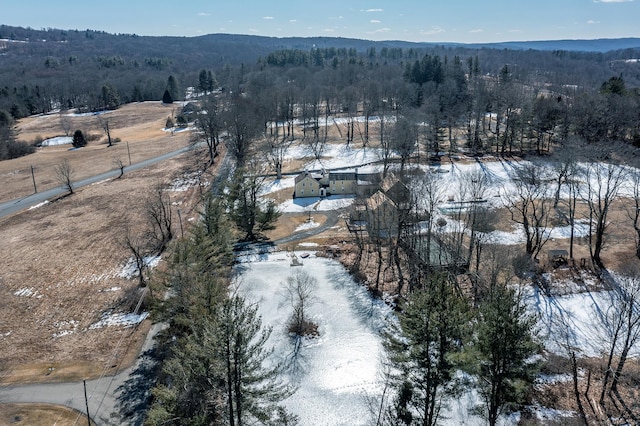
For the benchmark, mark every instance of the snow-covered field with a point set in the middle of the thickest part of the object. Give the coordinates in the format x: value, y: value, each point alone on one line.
x: 338, y: 373
x: 335, y: 372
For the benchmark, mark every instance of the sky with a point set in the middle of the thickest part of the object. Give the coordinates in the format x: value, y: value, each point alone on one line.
x: 470, y: 21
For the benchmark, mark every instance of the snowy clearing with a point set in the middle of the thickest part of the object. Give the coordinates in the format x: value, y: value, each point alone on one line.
x: 60, y: 140
x: 335, y: 371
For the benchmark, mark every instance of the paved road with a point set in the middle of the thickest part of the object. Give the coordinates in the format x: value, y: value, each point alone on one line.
x: 103, y: 394
x: 14, y: 206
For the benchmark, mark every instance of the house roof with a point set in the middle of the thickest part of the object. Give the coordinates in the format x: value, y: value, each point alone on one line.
x: 305, y: 174
x: 377, y: 200
x: 343, y: 176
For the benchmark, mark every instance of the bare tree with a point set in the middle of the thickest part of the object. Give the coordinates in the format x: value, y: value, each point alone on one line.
x: 209, y: 124
x: 478, y: 220
x: 104, y: 123
x: 139, y: 246
x: 120, y: 165
x: 633, y: 210
x: 159, y: 215
x: 404, y: 139
x: 242, y: 123
x: 275, y: 149
x: 622, y: 320
x: 64, y: 174
x: 565, y: 338
x: 65, y: 123
x: 603, y: 182
x: 529, y: 206
x: 300, y: 287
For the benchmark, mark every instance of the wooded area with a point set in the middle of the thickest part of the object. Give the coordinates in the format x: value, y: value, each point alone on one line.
x: 414, y: 104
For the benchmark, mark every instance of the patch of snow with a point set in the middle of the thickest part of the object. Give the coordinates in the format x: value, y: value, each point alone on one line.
x: 186, y: 182
x: 275, y: 185
x: 302, y: 205
x: 337, y: 370
x: 27, y: 292
x: 308, y: 244
x: 546, y: 414
x: 60, y: 140
x: 109, y: 319
x: 44, y: 203
x: 130, y: 270
x: 550, y: 379
x: 65, y: 327
x: 111, y: 289
x: 307, y: 225
x: 88, y: 114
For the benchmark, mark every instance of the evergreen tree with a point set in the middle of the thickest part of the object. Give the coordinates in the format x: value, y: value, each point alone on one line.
x: 501, y: 354
x: 423, y: 352
x: 167, y: 98
x: 253, y: 391
x: 172, y: 87
x: 78, y: 139
x: 246, y: 210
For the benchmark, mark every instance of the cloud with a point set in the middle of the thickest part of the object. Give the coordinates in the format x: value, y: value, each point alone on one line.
x: 479, y: 30
x: 374, y: 21
x: 204, y: 14
x: 374, y: 10
x: 591, y: 21
x: 267, y: 18
x: 612, y: 1
x: 380, y: 30
x: 293, y: 20
x: 329, y: 30
x: 432, y: 31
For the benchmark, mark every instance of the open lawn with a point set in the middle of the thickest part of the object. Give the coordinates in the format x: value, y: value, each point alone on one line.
x: 64, y: 263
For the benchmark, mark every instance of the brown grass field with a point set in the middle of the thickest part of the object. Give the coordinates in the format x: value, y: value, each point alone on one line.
x: 39, y: 415
x: 61, y: 261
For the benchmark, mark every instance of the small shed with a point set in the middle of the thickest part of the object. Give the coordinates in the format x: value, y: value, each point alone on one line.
x: 557, y: 257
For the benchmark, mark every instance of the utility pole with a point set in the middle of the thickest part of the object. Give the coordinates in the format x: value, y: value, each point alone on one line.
x: 129, y: 152
x: 86, y: 402
x: 33, y: 177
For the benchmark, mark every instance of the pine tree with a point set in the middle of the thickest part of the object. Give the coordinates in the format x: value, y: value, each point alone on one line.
x: 246, y: 210
x: 167, y: 98
x: 423, y: 351
x: 78, y: 139
x: 253, y: 392
x: 504, y: 344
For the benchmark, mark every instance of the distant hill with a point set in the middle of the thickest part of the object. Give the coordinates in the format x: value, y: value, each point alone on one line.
x: 597, y: 45
x: 235, y: 48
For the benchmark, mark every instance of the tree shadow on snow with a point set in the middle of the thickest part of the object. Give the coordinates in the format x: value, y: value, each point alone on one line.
x: 368, y: 309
